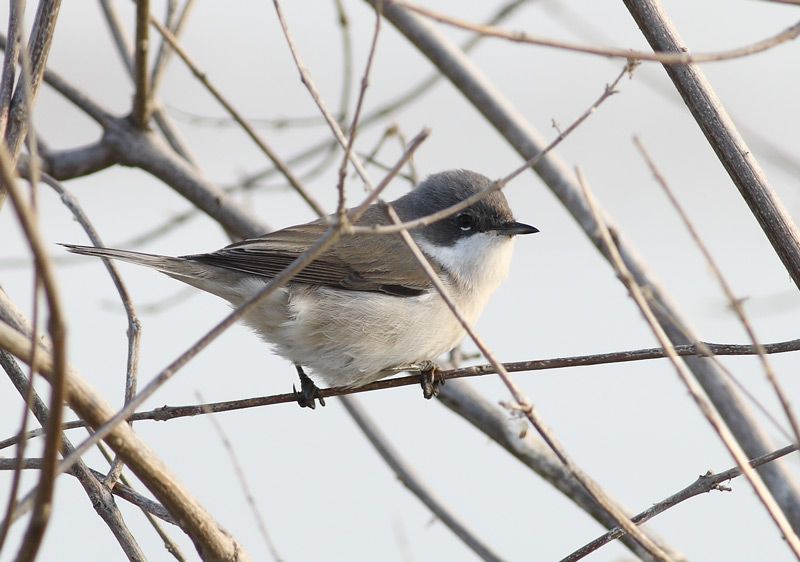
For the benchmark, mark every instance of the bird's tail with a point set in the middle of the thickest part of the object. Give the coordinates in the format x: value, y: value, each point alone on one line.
x: 164, y: 264
x: 208, y: 278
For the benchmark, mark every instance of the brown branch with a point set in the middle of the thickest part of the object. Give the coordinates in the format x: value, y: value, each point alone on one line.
x: 241, y: 476
x: 704, y: 484
x: 121, y: 490
x: 210, y: 540
x: 98, y: 495
x: 56, y: 327
x: 608, y: 91
x: 511, y: 434
x: 408, y: 477
x: 705, y: 406
x: 735, y: 303
x: 141, y: 110
x: 16, y: 13
x: 721, y: 133
x: 664, y: 56
x: 26, y: 92
x: 504, y: 117
x: 522, y: 403
x: 165, y: 413
x: 254, y: 136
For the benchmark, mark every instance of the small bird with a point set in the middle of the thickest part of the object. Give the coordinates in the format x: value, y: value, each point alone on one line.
x: 364, y: 309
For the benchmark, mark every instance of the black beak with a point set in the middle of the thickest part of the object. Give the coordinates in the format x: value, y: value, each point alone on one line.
x: 515, y: 228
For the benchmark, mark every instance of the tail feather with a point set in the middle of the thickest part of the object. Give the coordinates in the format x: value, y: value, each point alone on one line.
x: 165, y: 264
x: 206, y: 277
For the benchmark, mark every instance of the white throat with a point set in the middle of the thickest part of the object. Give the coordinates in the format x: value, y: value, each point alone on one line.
x: 479, y: 263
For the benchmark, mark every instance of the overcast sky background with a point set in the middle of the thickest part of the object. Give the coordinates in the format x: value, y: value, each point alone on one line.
x: 323, y: 491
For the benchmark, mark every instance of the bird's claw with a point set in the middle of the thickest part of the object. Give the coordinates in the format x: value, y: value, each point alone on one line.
x: 309, y: 392
x: 430, y: 379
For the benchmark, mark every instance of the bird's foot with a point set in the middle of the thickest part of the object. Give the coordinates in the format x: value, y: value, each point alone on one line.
x: 309, y: 392
x: 429, y: 379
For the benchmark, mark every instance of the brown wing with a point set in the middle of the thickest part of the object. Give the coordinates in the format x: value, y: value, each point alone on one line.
x: 356, y: 262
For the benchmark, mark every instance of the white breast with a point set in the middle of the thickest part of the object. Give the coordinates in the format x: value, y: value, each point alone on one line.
x: 479, y: 263
x: 349, y: 337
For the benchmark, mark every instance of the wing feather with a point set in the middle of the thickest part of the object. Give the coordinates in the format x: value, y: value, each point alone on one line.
x: 349, y: 264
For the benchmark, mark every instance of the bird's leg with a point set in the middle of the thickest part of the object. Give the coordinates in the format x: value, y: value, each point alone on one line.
x: 429, y: 380
x: 308, y: 390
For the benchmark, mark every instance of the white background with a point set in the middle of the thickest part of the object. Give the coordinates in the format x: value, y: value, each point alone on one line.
x: 323, y: 491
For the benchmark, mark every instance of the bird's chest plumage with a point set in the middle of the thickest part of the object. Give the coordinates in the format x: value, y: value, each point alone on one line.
x: 350, y: 338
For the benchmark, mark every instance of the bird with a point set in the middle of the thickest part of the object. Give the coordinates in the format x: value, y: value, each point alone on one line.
x: 364, y: 309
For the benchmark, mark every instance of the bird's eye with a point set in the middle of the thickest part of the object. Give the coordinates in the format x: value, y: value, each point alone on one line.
x: 465, y: 221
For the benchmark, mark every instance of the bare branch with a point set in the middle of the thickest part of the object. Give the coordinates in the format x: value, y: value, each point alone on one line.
x: 38, y: 48
x: 511, y: 434
x: 464, y: 75
x: 141, y: 111
x: 705, y: 406
x: 665, y: 56
x: 210, y: 540
x: 241, y: 476
x: 201, y: 77
x: 99, y: 496
x: 721, y: 133
x: 56, y: 327
x: 414, y: 483
x: 16, y: 13
x: 704, y: 484
x: 121, y: 490
x: 736, y: 303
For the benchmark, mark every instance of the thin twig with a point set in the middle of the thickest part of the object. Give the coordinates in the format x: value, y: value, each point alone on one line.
x: 331, y: 235
x: 340, y: 208
x: 165, y: 413
x: 735, y: 302
x: 123, y: 491
x: 527, y: 142
x: 408, y: 477
x: 254, y: 136
x: 56, y: 327
x: 118, y: 35
x: 134, y: 325
x: 164, y: 55
x: 99, y: 496
x: 241, y: 476
x: 704, y: 484
x: 705, y: 406
x: 522, y: 403
x: 664, y: 57
x: 608, y: 91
